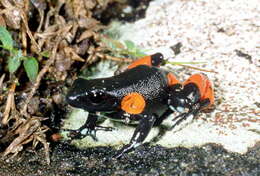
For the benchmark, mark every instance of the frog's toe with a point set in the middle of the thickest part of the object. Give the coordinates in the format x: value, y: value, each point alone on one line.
x: 92, y: 134
x: 76, y: 134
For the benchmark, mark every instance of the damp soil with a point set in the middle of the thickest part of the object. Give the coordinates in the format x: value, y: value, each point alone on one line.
x: 66, y: 160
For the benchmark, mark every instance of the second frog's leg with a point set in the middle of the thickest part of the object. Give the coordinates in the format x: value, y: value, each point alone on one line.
x: 140, y: 133
x: 152, y: 60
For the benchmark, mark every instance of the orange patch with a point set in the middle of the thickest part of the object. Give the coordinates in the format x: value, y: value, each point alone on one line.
x: 199, y: 80
x: 146, y: 60
x: 56, y: 137
x: 204, y: 85
x: 209, y: 93
x: 133, y: 103
x: 172, y: 79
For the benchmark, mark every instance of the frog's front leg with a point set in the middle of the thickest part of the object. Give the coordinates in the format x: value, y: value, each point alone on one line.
x: 89, y: 128
x: 140, y: 133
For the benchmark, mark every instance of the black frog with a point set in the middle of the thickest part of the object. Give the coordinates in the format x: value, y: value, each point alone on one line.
x: 143, y: 93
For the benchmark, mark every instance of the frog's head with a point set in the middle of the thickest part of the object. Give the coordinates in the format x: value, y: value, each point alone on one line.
x: 182, y: 98
x: 91, y: 95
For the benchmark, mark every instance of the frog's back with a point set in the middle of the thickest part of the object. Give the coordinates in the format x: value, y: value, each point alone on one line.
x: 150, y: 82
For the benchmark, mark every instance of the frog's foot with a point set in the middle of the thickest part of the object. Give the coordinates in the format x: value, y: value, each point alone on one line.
x: 140, y: 133
x: 83, y: 132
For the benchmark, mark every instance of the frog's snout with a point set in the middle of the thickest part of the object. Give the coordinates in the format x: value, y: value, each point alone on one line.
x: 75, y: 92
x: 91, y: 95
x: 71, y: 98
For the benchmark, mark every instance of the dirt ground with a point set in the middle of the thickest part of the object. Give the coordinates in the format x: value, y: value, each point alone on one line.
x: 210, y: 159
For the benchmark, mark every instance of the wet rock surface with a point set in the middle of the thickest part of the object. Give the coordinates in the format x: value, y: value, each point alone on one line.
x: 66, y: 160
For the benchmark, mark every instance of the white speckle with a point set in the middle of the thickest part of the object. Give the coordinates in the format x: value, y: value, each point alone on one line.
x: 180, y: 109
x: 73, y: 97
x: 84, y: 131
x: 137, y: 135
x: 172, y: 108
x: 127, y: 114
x: 127, y: 120
x: 16, y: 12
x: 128, y: 9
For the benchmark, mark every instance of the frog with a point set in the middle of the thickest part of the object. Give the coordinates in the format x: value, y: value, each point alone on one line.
x: 144, y: 94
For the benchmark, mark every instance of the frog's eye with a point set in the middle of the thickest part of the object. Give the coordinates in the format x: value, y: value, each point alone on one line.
x: 96, y: 97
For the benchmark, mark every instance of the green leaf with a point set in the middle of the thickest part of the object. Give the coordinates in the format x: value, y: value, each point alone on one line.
x: 6, y: 38
x: 45, y: 54
x: 140, y: 53
x: 129, y: 44
x: 14, y: 62
x: 31, y: 67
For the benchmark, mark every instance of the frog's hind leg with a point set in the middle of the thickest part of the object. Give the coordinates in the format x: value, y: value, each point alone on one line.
x: 140, y: 133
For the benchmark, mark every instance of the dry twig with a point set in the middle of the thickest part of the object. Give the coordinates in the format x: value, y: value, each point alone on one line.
x: 9, y: 104
x: 29, y: 130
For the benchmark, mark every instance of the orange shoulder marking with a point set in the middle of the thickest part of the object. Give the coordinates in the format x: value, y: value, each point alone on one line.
x: 133, y: 103
x: 146, y: 60
x: 172, y: 79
